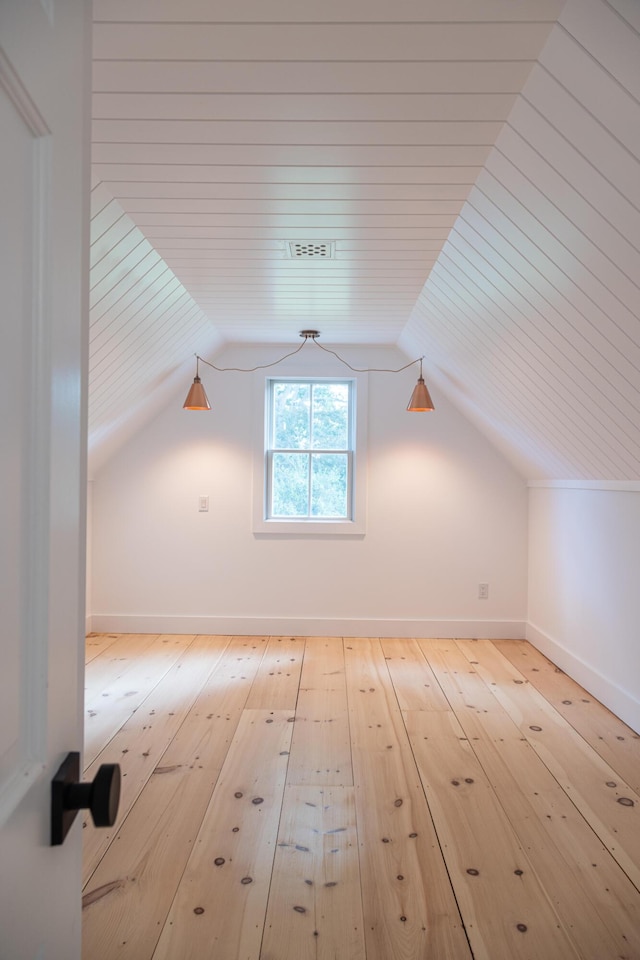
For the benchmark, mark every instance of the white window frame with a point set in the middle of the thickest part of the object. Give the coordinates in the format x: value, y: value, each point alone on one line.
x: 296, y: 527
x: 348, y: 450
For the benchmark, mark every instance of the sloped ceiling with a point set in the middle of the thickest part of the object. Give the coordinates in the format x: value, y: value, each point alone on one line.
x: 532, y: 312
x: 474, y: 163
x: 141, y: 319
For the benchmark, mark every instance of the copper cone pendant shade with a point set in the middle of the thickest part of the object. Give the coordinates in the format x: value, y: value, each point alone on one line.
x: 196, y: 398
x: 420, y: 399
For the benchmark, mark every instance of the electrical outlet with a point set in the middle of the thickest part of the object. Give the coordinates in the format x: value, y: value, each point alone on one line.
x: 483, y: 591
x: 203, y: 504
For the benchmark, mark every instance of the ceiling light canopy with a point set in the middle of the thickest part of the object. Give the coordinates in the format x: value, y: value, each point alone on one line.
x: 420, y: 401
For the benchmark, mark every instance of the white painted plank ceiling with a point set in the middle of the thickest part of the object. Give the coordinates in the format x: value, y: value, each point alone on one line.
x: 141, y: 320
x: 532, y: 312
x: 474, y: 162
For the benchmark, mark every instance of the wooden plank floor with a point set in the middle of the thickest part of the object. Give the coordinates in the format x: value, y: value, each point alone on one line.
x: 325, y: 799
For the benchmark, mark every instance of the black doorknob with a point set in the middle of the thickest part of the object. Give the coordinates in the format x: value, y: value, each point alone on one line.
x: 101, y: 796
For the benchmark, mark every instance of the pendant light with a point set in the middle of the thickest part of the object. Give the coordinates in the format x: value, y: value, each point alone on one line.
x: 421, y: 401
x: 197, y: 397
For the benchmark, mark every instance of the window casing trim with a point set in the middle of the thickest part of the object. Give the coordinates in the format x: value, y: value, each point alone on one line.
x: 336, y: 527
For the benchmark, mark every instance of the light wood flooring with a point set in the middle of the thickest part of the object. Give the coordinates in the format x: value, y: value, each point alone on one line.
x: 289, y: 799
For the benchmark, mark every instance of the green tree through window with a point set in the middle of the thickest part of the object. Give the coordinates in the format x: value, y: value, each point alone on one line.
x: 310, y: 449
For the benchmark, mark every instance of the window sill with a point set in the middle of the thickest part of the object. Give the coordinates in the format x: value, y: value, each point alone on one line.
x: 308, y: 528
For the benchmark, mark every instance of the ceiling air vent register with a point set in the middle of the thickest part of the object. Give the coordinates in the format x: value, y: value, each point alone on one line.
x: 311, y: 250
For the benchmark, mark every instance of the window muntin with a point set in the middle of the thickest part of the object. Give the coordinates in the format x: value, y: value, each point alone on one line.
x: 310, y: 449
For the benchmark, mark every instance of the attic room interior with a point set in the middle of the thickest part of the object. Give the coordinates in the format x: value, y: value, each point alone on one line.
x: 406, y: 726
x: 483, y: 213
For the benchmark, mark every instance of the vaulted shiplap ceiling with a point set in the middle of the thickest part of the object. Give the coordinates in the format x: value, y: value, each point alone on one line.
x: 484, y: 206
x: 532, y: 312
x: 141, y: 319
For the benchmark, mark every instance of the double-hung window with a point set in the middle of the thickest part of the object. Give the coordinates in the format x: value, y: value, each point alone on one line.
x: 310, y: 434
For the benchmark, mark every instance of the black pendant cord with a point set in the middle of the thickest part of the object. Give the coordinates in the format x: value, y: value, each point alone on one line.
x: 309, y: 335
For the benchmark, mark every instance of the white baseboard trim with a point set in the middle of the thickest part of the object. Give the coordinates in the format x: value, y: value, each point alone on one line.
x: 311, y: 627
x: 620, y: 701
x: 88, y: 625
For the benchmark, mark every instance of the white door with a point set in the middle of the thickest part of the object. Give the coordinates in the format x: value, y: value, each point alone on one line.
x: 44, y: 80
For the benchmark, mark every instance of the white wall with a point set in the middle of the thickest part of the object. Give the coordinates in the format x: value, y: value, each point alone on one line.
x: 584, y: 601
x: 445, y: 512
